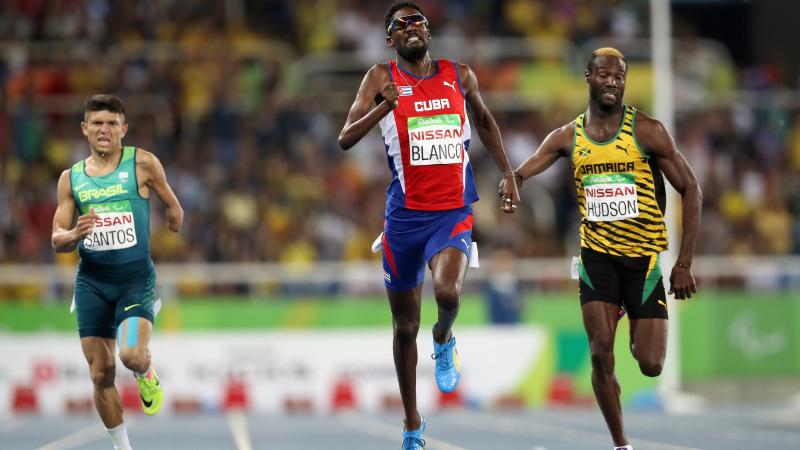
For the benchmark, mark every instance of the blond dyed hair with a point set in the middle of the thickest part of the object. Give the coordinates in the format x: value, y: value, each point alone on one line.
x: 605, y: 51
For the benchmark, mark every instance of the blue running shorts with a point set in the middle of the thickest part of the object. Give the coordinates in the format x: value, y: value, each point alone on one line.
x: 411, y: 238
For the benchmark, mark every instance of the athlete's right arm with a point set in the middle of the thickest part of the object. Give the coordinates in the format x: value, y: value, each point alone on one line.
x: 64, y: 237
x: 363, y: 114
x: 557, y: 144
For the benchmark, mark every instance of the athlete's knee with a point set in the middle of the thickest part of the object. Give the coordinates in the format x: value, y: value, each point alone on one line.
x: 602, y: 356
x: 134, y: 359
x: 406, y: 329
x: 102, y: 374
x: 447, y: 295
x: 603, y: 361
x: 651, y: 368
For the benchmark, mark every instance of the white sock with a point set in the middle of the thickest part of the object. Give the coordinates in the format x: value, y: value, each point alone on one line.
x: 119, y: 436
x: 624, y: 447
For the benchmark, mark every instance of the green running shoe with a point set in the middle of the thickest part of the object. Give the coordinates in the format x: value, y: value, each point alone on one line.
x: 150, y: 392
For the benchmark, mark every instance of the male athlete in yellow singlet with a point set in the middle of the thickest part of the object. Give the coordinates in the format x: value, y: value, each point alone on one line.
x: 618, y: 155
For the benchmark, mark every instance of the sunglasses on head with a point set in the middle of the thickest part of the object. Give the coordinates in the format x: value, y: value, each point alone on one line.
x: 400, y: 23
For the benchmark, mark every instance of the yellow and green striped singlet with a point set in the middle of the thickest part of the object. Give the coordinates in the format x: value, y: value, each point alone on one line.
x: 621, y: 193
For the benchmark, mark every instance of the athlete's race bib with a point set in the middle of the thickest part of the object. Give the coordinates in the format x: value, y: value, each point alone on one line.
x: 610, y: 197
x: 114, y: 227
x: 435, y: 140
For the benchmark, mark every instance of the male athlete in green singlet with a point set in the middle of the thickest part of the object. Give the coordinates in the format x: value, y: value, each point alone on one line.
x: 115, y: 286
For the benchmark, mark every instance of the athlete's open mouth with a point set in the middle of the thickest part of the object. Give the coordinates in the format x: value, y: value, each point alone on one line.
x: 612, y: 94
x: 413, y: 38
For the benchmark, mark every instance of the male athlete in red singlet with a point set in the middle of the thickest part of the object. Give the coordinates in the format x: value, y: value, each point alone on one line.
x: 421, y: 105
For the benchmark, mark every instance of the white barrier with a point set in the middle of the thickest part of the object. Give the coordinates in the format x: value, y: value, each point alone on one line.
x: 756, y: 272
x: 275, y: 367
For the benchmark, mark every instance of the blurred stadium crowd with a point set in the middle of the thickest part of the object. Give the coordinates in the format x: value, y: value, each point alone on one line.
x: 220, y: 92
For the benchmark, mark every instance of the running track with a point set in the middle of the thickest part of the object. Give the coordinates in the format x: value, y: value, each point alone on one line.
x: 553, y: 429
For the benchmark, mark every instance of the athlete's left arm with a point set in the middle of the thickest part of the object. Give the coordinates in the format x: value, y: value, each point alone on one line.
x: 489, y: 133
x: 657, y: 141
x: 155, y: 179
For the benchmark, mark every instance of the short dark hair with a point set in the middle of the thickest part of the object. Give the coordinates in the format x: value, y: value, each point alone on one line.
x: 604, y: 51
x: 104, y: 102
x: 397, y: 6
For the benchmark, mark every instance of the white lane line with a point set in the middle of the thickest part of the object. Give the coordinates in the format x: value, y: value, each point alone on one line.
x: 241, y: 437
x: 532, y: 428
x: 81, y: 437
x: 383, y: 430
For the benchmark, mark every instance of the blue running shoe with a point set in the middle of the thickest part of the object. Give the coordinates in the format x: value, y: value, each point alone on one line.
x: 448, y: 366
x: 412, y: 440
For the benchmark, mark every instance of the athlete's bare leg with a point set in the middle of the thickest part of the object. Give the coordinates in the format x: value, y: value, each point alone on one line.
x: 650, y: 344
x: 600, y: 321
x: 134, y: 344
x: 405, y: 325
x: 448, y: 268
x: 99, y: 353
